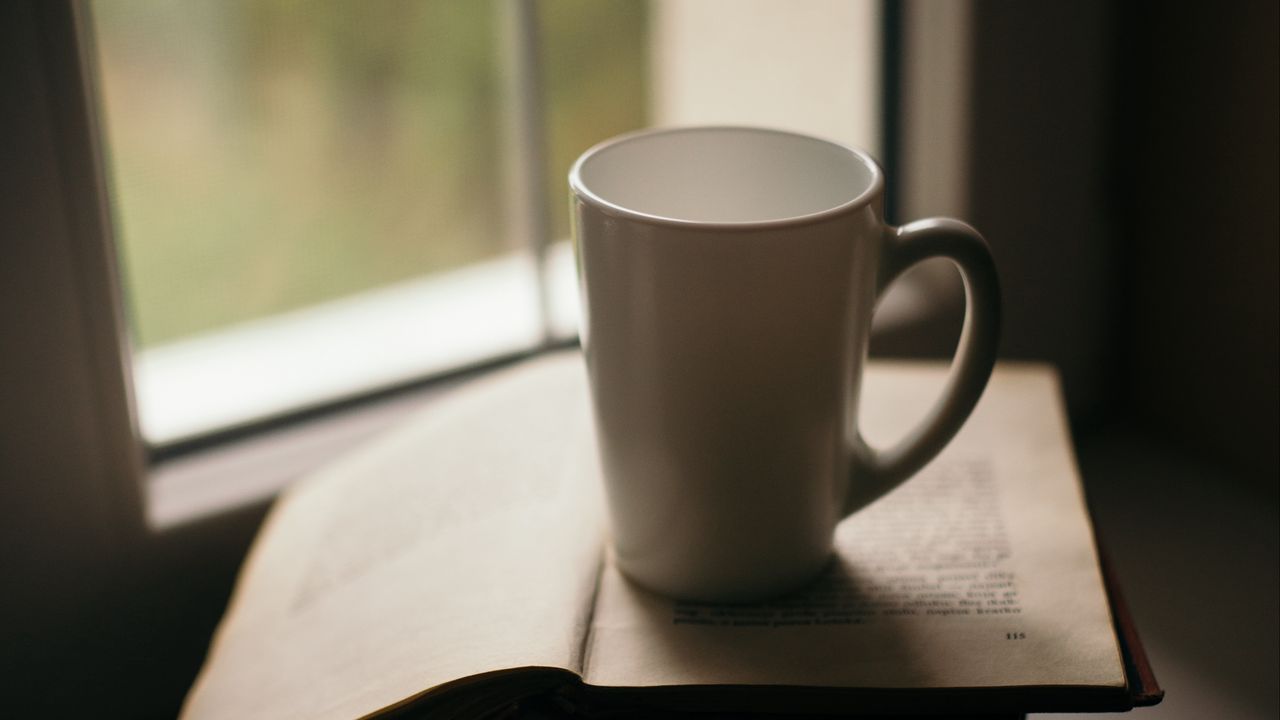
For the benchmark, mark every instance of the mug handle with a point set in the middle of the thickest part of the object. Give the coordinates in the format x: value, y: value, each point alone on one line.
x: 873, y: 473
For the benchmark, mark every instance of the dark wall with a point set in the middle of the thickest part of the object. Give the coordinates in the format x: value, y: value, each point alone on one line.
x: 1039, y: 164
x: 1199, y: 155
x: 1124, y: 169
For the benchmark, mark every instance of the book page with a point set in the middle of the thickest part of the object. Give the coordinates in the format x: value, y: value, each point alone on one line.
x: 980, y: 571
x: 467, y: 541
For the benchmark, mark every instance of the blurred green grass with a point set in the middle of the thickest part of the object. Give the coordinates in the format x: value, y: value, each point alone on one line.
x: 265, y: 156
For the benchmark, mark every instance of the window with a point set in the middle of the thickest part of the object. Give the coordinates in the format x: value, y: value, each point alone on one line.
x: 550, y: 70
x: 315, y: 200
x: 391, y: 176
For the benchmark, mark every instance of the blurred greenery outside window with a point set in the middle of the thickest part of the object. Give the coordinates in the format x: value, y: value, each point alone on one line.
x: 266, y: 156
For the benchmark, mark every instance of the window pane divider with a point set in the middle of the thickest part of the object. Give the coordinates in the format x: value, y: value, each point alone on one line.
x: 527, y: 153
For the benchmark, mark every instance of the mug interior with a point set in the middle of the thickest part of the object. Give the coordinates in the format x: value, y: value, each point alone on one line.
x: 724, y: 175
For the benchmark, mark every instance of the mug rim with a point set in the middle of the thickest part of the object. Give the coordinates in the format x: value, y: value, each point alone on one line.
x: 580, y: 189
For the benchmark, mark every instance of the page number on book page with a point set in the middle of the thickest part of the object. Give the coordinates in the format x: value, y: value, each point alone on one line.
x: 1015, y: 636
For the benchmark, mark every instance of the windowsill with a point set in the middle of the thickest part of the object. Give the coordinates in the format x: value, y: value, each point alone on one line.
x: 251, y: 470
x: 918, y: 317
x: 263, y: 369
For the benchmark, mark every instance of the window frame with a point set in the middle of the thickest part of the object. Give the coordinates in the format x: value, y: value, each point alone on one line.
x: 92, y: 390
x: 67, y: 248
x: 289, y: 366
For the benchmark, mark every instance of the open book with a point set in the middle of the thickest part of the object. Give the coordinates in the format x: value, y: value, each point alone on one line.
x: 459, y: 565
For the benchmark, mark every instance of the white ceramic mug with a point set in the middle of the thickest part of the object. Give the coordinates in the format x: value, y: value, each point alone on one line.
x: 728, y: 277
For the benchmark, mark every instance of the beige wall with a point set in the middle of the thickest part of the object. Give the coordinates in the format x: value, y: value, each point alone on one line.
x: 810, y: 66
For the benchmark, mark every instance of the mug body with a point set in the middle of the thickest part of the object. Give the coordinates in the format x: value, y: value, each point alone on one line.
x: 728, y: 277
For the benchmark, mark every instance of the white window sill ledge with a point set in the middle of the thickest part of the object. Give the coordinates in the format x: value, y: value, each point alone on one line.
x: 347, y: 347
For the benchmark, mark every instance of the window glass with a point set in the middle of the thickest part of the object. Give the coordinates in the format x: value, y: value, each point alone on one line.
x: 314, y: 199
x: 594, y: 60
x: 267, y: 155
